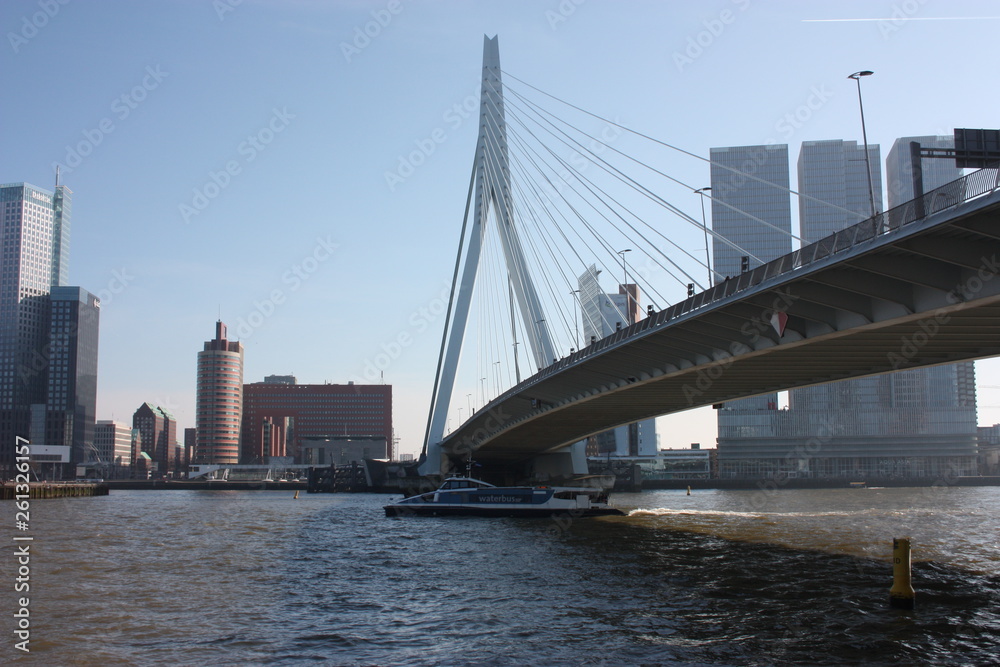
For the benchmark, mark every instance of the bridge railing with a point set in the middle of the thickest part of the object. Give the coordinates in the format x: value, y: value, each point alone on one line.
x: 961, y: 190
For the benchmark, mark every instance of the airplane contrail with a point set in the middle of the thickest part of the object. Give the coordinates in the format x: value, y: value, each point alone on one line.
x: 907, y: 18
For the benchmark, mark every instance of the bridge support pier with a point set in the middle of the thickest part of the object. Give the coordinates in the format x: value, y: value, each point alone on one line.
x: 563, y: 465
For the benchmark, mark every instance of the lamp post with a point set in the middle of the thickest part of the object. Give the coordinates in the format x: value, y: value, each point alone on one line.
x: 704, y: 226
x: 864, y: 135
x: 628, y: 307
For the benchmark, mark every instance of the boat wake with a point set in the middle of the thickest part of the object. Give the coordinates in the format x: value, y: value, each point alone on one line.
x: 668, y: 511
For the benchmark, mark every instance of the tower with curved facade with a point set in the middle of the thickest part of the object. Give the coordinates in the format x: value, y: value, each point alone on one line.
x: 219, y: 400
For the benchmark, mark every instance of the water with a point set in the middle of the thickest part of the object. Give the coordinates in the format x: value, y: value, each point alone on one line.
x: 715, y: 578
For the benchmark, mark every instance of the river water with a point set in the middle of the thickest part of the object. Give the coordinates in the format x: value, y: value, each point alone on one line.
x: 714, y: 578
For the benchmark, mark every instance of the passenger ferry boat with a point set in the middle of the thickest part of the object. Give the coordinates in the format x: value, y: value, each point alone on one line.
x: 465, y: 496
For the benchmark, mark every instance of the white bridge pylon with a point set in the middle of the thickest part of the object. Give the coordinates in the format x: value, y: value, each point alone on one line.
x: 491, y: 184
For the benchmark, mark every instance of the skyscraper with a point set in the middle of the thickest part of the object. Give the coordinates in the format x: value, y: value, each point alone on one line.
x: 750, y: 206
x: 603, y: 314
x: 833, y: 182
x: 833, y: 179
x: 918, y: 423
x: 751, y: 210
x: 34, y: 251
x: 899, y: 168
x: 71, y: 402
x: 219, y: 401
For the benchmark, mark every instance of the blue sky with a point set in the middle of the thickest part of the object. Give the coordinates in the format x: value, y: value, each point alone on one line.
x: 231, y: 157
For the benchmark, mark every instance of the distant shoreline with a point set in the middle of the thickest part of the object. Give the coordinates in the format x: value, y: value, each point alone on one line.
x: 647, y: 485
x: 793, y: 483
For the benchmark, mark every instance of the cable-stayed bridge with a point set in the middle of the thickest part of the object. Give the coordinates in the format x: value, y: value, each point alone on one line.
x: 913, y: 286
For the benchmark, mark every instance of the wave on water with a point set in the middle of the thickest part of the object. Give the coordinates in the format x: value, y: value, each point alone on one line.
x: 669, y: 511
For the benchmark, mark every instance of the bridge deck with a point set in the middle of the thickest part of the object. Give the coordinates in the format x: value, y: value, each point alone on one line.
x: 902, y: 290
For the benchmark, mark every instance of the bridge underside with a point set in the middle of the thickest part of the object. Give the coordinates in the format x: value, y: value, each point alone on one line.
x: 924, y: 294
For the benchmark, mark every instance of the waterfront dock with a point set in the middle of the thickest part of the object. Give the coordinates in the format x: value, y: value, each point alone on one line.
x: 39, y: 490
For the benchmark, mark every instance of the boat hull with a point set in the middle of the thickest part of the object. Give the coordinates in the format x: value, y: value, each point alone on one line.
x: 464, y: 496
x: 494, y: 511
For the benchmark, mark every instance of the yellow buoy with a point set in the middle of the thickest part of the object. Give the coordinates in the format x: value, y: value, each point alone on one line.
x: 689, y: 490
x: 901, y: 594
x: 296, y: 495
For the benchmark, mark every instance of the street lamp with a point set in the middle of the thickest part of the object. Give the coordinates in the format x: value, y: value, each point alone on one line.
x: 628, y: 307
x: 864, y: 135
x: 704, y: 226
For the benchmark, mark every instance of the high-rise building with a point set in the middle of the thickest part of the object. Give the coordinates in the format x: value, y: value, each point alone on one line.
x: 917, y: 423
x: 833, y: 186
x: 833, y: 182
x: 603, y: 314
x: 190, y: 443
x: 34, y: 252
x: 751, y: 207
x: 157, y: 437
x: 277, y: 417
x: 113, y: 445
x: 751, y: 211
x: 71, y: 401
x: 899, y: 168
x: 219, y: 401
x: 911, y: 423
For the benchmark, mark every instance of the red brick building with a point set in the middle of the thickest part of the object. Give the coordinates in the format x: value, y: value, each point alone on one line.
x: 278, y: 416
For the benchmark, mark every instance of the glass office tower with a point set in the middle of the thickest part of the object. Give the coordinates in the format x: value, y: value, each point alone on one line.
x: 751, y: 208
x: 34, y: 252
x: 917, y: 423
x: 71, y: 397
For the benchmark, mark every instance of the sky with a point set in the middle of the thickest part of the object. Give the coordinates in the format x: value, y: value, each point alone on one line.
x: 234, y: 159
